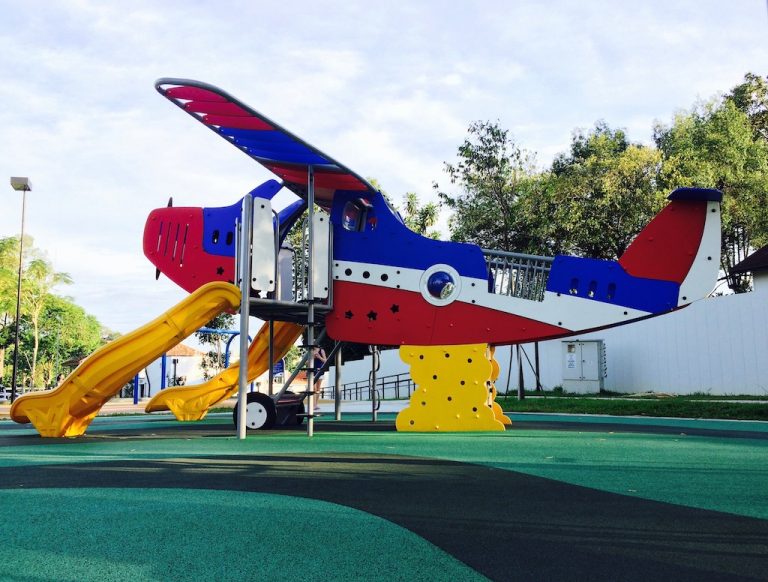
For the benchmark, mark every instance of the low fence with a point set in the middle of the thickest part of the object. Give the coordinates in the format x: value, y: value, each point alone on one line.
x: 394, y: 387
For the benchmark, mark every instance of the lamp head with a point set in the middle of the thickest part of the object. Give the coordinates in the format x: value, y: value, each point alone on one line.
x: 21, y: 184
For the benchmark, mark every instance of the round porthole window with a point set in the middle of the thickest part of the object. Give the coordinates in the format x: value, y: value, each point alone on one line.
x: 440, y: 284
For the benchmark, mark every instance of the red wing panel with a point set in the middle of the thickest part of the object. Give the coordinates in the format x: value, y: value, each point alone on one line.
x: 194, y: 93
x: 323, y: 178
x: 216, y: 108
x: 379, y: 315
x: 237, y: 123
x: 173, y: 242
x: 666, y: 248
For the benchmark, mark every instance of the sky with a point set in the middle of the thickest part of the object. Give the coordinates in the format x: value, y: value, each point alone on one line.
x: 386, y: 88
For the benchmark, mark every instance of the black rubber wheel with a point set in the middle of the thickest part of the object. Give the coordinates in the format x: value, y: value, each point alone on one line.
x: 260, y: 413
x: 297, y: 410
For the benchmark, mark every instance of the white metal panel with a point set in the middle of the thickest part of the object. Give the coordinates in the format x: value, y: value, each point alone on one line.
x: 321, y: 236
x: 701, y: 278
x: 263, y: 245
x: 715, y: 346
x: 590, y: 363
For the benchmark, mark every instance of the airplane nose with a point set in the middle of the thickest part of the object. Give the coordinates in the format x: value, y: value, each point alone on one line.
x: 166, y: 235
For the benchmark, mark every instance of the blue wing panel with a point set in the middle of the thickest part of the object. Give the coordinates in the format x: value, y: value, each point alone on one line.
x: 608, y: 282
x: 288, y: 147
x: 259, y: 136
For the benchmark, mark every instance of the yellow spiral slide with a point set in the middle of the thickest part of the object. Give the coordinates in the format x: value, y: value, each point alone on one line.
x: 193, y: 402
x: 69, y: 409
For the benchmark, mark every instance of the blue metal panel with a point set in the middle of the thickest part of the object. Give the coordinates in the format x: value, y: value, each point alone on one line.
x: 288, y: 217
x: 219, y: 223
x: 267, y: 190
x: 385, y: 240
x: 288, y: 147
x: 708, y: 194
x: 258, y: 135
x: 608, y: 282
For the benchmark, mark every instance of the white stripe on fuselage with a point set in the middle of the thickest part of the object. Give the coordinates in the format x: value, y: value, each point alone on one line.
x: 567, y: 311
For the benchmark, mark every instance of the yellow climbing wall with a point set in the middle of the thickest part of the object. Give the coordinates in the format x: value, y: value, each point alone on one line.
x: 453, y: 387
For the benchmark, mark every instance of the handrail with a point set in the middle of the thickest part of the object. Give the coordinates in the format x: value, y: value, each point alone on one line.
x: 394, y: 386
x: 517, y: 274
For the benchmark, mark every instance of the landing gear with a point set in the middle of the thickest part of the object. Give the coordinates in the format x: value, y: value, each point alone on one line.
x: 260, y: 412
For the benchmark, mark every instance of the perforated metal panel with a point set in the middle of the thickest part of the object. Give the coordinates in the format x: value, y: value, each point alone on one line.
x: 263, y: 241
x: 322, y: 254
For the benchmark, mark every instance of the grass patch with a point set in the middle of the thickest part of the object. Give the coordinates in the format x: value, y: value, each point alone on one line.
x: 607, y: 394
x: 676, y: 407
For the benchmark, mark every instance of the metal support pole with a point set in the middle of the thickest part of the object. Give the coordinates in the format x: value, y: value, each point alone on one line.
x: 538, y: 368
x: 18, y: 299
x: 337, y: 387
x: 374, y: 369
x: 163, y: 372
x: 136, y: 389
x: 520, y: 378
x: 271, y: 357
x: 244, y: 260
x: 310, y: 298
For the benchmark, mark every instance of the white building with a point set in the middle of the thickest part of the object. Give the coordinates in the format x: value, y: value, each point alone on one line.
x: 717, y: 345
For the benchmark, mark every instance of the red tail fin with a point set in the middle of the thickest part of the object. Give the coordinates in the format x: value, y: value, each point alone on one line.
x: 667, y: 247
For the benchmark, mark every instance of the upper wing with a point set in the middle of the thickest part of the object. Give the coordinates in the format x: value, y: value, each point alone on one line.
x: 273, y: 147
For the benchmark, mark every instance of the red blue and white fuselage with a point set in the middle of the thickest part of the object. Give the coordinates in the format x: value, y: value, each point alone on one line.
x: 392, y: 286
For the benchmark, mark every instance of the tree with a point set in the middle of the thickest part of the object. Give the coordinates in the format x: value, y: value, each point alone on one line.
x: 68, y: 333
x: 52, y: 329
x: 418, y: 217
x: 213, y: 359
x: 599, y: 195
x: 751, y: 98
x: 39, y: 279
x: 490, y: 173
x: 715, y: 145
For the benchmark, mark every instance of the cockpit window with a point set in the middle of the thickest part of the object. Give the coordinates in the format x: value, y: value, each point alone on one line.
x: 352, y: 216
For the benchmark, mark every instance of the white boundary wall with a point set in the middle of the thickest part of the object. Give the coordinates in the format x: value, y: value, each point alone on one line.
x: 718, y: 345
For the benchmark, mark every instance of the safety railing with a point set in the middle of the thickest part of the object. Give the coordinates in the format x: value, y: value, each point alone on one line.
x: 517, y: 274
x: 396, y: 386
x: 299, y: 257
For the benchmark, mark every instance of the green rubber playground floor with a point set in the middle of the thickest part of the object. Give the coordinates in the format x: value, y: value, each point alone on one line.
x: 555, y: 497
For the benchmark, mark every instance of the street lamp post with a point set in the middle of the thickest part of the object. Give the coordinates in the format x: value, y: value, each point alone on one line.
x: 22, y: 185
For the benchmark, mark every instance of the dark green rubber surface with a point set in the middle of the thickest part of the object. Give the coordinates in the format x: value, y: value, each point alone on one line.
x: 562, y: 502
x: 189, y: 534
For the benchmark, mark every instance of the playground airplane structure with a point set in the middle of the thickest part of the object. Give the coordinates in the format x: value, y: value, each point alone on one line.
x: 366, y: 278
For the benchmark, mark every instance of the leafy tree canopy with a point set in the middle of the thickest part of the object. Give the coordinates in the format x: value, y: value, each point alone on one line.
x: 715, y: 145
x: 52, y: 329
x: 599, y: 194
x: 489, y: 173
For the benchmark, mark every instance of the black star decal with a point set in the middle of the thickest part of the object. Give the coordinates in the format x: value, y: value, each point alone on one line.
x: 220, y: 271
x: 372, y: 315
x: 349, y: 315
x: 395, y: 308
